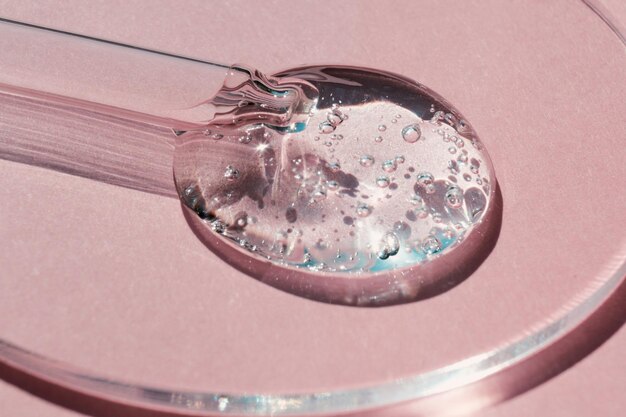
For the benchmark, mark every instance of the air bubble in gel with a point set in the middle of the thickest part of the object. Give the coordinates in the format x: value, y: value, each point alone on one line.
x: 379, y: 202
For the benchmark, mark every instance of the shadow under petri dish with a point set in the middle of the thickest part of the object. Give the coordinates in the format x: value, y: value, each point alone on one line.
x: 340, y: 184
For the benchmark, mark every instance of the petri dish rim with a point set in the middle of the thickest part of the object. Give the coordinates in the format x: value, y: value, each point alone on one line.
x: 336, y: 401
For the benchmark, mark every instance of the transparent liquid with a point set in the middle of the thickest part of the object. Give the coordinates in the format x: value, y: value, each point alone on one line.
x: 358, y: 186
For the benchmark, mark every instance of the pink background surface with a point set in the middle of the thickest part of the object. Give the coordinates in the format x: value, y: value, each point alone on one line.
x: 148, y: 218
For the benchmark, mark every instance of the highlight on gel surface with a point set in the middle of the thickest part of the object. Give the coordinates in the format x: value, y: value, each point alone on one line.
x: 340, y: 184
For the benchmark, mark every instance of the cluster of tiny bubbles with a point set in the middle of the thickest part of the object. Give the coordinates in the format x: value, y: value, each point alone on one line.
x: 419, y: 208
x: 431, y: 245
x: 245, y: 139
x: 319, y: 199
x: 334, y: 118
x: 215, y: 136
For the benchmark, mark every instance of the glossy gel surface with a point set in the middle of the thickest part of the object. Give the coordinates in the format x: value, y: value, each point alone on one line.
x: 349, y: 174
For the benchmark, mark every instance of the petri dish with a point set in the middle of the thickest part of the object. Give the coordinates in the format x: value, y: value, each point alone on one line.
x: 112, y: 304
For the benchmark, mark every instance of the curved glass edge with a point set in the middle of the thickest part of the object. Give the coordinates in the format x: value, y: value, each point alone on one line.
x: 607, y: 17
x: 442, y: 380
x: 398, y: 391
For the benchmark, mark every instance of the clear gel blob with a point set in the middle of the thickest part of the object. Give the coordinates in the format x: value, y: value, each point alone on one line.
x: 356, y: 186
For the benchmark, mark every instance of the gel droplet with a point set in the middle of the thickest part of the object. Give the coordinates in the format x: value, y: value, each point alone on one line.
x: 297, y: 184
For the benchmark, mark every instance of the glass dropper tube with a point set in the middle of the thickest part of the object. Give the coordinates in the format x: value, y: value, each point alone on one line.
x: 76, y: 88
x: 113, y: 78
x: 333, y: 401
x: 266, y: 164
x: 98, y: 109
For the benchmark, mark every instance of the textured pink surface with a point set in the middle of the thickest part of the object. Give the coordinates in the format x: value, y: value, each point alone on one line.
x: 594, y: 387
x: 82, y: 253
